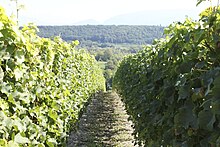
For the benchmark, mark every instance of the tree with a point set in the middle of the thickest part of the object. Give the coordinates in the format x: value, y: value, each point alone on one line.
x: 99, y: 56
x: 18, y: 8
x: 107, y: 54
x: 110, y: 65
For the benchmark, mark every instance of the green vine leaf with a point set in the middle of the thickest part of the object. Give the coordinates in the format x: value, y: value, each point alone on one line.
x: 20, y: 139
x: 206, y: 120
x: 19, y: 56
x: 1, y: 75
x: 12, y: 144
x: 185, y: 118
x: 184, y: 92
x: 215, y: 89
x: 18, y: 73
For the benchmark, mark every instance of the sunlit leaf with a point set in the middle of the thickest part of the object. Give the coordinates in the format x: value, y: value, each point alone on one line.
x: 52, y: 114
x: 1, y: 74
x: 12, y: 144
x: 3, y: 142
x: 20, y: 126
x: 20, y: 139
x: 19, y: 55
x: 5, y: 88
x: 7, y: 122
x: 18, y: 73
x: 11, y: 99
x: 51, y: 142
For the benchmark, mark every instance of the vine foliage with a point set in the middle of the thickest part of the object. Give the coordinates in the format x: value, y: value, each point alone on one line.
x: 44, y: 84
x: 171, y: 88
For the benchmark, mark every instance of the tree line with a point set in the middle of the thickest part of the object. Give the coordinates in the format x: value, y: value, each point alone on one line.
x: 115, y: 34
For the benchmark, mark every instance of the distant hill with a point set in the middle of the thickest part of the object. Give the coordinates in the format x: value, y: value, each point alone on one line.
x: 88, y: 21
x: 152, y: 17
x: 114, y: 34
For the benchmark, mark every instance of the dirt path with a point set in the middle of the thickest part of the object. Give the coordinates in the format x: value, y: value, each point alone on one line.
x: 104, y: 124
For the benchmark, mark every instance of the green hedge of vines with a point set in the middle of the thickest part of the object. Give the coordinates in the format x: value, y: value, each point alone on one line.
x: 172, y: 88
x: 44, y: 84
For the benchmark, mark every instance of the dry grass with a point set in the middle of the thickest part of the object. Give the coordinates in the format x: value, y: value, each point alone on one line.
x: 103, y: 124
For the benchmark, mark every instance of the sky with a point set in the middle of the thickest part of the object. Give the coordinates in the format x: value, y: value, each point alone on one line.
x: 68, y: 12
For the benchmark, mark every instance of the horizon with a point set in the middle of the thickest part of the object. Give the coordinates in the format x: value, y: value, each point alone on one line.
x: 97, y: 12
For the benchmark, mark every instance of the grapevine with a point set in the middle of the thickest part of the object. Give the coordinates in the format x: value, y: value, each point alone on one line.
x: 171, y: 88
x: 44, y: 84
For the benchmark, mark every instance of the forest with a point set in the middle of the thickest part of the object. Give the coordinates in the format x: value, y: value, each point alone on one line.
x: 116, y: 34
